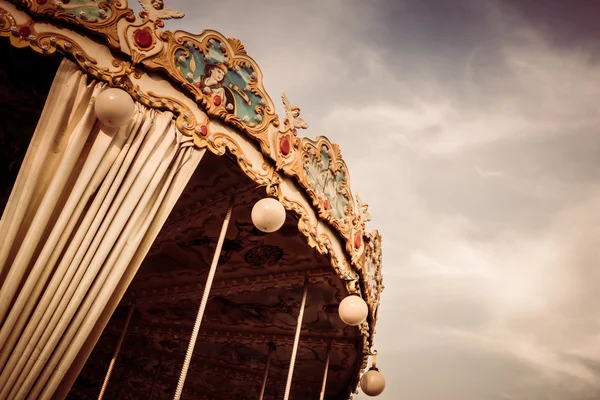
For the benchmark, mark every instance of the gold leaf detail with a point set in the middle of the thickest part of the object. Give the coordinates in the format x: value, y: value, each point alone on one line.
x: 193, y: 65
x: 238, y: 47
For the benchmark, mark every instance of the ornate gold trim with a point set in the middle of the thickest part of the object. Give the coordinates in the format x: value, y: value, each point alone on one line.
x: 318, y: 166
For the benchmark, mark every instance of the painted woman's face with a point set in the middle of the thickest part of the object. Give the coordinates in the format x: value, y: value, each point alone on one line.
x: 218, y: 74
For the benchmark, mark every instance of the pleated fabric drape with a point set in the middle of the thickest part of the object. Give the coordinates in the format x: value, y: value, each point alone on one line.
x: 87, y: 204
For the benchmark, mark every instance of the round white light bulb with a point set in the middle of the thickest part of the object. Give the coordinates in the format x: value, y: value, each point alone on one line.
x: 353, y: 310
x: 372, y: 383
x: 268, y: 215
x: 114, y: 107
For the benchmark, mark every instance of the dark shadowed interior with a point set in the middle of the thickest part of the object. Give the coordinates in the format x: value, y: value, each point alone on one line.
x: 25, y: 80
x: 254, y: 301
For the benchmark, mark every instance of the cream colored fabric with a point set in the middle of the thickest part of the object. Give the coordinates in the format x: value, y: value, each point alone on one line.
x: 86, y: 206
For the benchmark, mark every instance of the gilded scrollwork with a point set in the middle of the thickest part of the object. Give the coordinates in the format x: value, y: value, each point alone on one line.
x: 238, y: 98
x: 220, y: 76
x: 319, y: 168
x: 98, y: 16
x: 372, y: 276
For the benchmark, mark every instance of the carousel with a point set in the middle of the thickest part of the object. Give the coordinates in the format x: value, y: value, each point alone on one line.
x: 164, y: 233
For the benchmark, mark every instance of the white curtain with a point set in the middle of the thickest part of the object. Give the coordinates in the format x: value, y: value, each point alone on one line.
x: 86, y: 206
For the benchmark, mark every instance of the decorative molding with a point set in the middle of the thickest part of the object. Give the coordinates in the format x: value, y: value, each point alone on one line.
x: 319, y: 168
x: 237, y: 96
x: 220, y: 76
x: 96, y: 16
x: 372, y: 277
x: 283, y: 280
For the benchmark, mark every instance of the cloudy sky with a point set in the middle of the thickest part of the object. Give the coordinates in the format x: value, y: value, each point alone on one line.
x: 472, y: 130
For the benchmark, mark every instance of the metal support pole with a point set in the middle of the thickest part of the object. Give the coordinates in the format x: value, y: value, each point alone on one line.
x: 209, y: 280
x: 288, y: 385
x: 264, y: 383
x: 116, y: 353
x: 325, y: 373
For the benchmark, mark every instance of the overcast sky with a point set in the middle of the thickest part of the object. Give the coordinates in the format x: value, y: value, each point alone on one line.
x: 471, y: 129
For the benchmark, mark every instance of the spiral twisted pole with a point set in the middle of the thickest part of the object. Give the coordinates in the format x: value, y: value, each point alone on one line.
x: 200, y: 315
x: 116, y: 353
x: 288, y: 384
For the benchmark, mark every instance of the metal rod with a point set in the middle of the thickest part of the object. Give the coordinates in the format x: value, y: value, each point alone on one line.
x: 264, y: 383
x: 209, y: 280
x: 156, y: 374
x: 116, y: 353
x: 325, y: 373
x: 288, y: 385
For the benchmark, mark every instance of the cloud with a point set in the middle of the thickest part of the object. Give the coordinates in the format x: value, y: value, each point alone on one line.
x: 473, y: 135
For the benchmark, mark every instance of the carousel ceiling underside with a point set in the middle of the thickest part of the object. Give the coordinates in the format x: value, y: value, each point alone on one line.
x: 255, y: 300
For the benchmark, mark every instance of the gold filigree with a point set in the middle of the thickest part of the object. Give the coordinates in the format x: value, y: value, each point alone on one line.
x: 371, y: 276
x: 237, y: 46
x: 178, y: 60
x: 105, y: 24
x: 313, y: 163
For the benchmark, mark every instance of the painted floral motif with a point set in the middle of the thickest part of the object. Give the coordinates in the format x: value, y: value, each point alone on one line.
x: 226, y: 86
x: 86, y: 9
x: 327, y: 183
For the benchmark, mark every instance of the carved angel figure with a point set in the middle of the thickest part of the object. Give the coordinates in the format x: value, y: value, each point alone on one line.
x: 156, y: 10
x: 363, y: 209
x: 292, y: 113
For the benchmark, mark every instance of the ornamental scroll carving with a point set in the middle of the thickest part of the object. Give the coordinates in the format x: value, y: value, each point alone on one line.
x: 372, y: 277
x: 222, y: 78
x: 237, y: 98
x: 321, y: 171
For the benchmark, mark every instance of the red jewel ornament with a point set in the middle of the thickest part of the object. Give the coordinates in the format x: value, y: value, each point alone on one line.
x: 42, y: 2
x: 143, y: 38
x: 217, y: 100
x: 25, y: 31
x: 284, y: 146
x: 357, y: 240
x: 203, y: 130
x: 326, y: 204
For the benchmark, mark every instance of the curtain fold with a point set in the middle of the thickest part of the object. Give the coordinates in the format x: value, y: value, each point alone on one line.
x: 92, y: 215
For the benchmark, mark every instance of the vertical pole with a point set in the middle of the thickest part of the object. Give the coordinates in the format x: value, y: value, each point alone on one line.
x: 325, y: 373
x: 209, y: 280
x: 156, y: 374
x: 288, y: 385
x: 116, y: 353
x: 264, y: 383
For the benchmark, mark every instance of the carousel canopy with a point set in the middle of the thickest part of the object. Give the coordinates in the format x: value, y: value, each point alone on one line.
x: 203, y: 121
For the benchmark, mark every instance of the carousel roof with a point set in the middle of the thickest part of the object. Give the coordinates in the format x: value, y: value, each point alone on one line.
x: 256, y: 295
